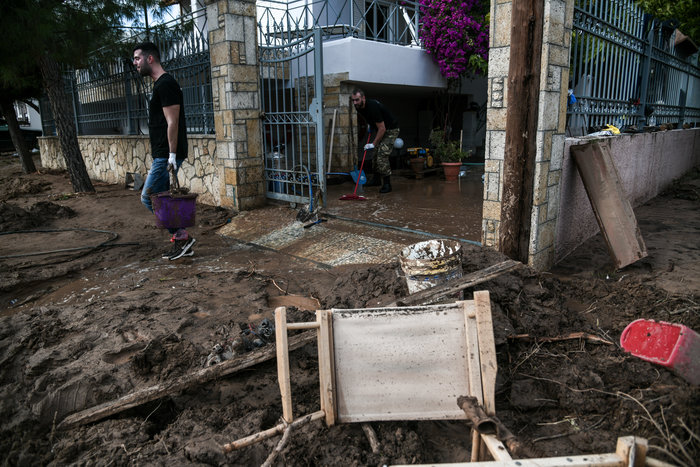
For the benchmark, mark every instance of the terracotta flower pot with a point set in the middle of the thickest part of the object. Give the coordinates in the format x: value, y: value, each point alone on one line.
x: 451, y: 170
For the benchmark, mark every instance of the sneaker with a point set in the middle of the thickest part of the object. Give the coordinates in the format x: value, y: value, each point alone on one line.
x: 190, y: 252
x: 182, y: 247
x: 172, y: 250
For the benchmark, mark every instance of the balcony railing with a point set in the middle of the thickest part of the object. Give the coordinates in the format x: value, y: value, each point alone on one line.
x: 389, y: 21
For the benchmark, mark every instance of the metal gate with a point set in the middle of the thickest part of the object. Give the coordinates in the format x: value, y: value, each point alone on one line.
x: 291, y: 86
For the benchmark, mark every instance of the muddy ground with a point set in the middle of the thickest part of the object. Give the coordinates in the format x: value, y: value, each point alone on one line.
x: 108, y: 316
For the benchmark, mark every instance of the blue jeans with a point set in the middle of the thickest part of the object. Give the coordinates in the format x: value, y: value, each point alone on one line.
x: 157, y: 181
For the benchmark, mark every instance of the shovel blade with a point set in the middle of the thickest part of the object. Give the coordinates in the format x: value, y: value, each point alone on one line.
x: 356, y: 173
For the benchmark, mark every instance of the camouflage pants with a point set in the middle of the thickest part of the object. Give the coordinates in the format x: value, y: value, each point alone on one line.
x: 380, y: 163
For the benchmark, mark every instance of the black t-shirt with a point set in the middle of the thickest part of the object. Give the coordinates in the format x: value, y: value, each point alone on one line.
x: 374, y: 112
x: 166, y: 92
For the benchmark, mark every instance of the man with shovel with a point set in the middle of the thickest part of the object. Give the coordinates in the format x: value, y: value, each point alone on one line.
x: 384, y: 129
x: 168, y: 136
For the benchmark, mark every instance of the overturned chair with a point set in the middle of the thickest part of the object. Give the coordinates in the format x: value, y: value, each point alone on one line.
x: 411, y: 363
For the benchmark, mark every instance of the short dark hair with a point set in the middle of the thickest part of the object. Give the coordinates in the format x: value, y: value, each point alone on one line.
x: 148, y: 48
x: 358, y: 91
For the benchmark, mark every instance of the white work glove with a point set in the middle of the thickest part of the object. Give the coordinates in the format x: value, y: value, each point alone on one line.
x: 172, y: 160
x: 369, y: 146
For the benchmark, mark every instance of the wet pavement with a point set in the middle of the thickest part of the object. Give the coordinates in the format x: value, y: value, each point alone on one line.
x: 373, y: 230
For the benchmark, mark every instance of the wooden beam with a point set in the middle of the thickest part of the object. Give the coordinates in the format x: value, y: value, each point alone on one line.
x: 475, y: 388
x: 296, y: 326
x: 176, y: 385
x: 269, y: 433
x: 611, y: 207
x: 283, y: 363
x: 521, y: 127
x: 496, y: 448
x: 590, y: 460
x: 454, y: 286
x: 487, y: 349
x: 325, y: 365
x: 632, y: 450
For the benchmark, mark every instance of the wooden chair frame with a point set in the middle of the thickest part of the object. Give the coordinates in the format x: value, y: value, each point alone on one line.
x: 481, y: 358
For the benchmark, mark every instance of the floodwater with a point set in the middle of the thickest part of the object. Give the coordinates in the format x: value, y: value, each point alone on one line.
x: 430, y: 204
x: 373, y: 230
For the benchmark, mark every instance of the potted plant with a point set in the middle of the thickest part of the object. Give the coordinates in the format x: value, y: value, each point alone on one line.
x: 449, y: 153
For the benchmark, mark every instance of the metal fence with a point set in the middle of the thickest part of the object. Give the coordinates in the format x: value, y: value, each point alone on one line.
x: 390, y: 21
x: 111, y: 98
x: 629, y: 70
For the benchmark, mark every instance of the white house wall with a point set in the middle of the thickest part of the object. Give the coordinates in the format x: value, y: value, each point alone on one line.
x: 377, y: 62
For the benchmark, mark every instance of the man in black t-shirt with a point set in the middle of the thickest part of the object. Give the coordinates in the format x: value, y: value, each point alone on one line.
x: 168, y: 134
x: 384, y: 130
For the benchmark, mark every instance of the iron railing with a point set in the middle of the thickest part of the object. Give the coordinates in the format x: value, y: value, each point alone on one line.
x: 627, y: 71
x: 390, y: 21
x: 112, y: 98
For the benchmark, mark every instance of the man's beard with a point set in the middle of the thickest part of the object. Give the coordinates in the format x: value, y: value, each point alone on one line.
x: 145, y: 70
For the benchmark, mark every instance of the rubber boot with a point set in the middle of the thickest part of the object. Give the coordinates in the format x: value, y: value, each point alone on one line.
x: 386, y: 185
x: 374, y: 180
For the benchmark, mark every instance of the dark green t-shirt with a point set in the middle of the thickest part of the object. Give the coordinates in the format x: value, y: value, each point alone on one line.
x: 166, y: 92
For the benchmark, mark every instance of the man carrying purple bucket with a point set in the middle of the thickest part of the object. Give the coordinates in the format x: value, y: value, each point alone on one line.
x: 168, y: 136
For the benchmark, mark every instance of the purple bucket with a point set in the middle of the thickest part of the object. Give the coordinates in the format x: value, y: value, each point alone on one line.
x: 174, y: 212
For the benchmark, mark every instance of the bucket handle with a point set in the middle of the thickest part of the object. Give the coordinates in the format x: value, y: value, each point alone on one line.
x: 173, y: 181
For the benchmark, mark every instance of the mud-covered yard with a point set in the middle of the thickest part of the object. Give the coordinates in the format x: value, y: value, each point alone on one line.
x: 98, y: 315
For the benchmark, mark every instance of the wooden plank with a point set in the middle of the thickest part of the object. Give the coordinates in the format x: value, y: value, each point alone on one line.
x: 269, y: 433
x: 298, y: 301
x: 473, y: 360
x: 487, y: 356
x: 632, y: 450
x: 283, y: 363
x: 469, y: 311
x: 330, y: 150
x: 322, y: 371
x: 496, y: 448
x: 297, y: 326
x: 476, y: 446
x: 611, y: 207
x: 405, y: 364
x: 332, y: 398
x: 487, y: 349
x: 325, y: 365
x: 589, y: 460
x: 454, y: 286
x: 174, y: 386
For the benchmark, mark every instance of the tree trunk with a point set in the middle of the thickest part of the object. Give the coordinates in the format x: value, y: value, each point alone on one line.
x: 65, y: 126
x: 521, y: 128
x: 8, y: 110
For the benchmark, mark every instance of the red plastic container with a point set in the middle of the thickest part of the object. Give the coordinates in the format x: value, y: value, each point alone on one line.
x: 174, y: 212
x: 671, y: 345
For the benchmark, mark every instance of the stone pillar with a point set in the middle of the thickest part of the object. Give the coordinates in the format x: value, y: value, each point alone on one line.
x: 499, y: 61
x: 235, y: 81
x: 336, y: 96
x: 551, y: 126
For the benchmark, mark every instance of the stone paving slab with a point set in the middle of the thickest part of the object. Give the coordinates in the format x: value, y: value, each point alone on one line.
x: 333, y: 243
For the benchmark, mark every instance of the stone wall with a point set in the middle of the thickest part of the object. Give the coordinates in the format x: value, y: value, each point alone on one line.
x: 646, y: 163
x: 110, y: 158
